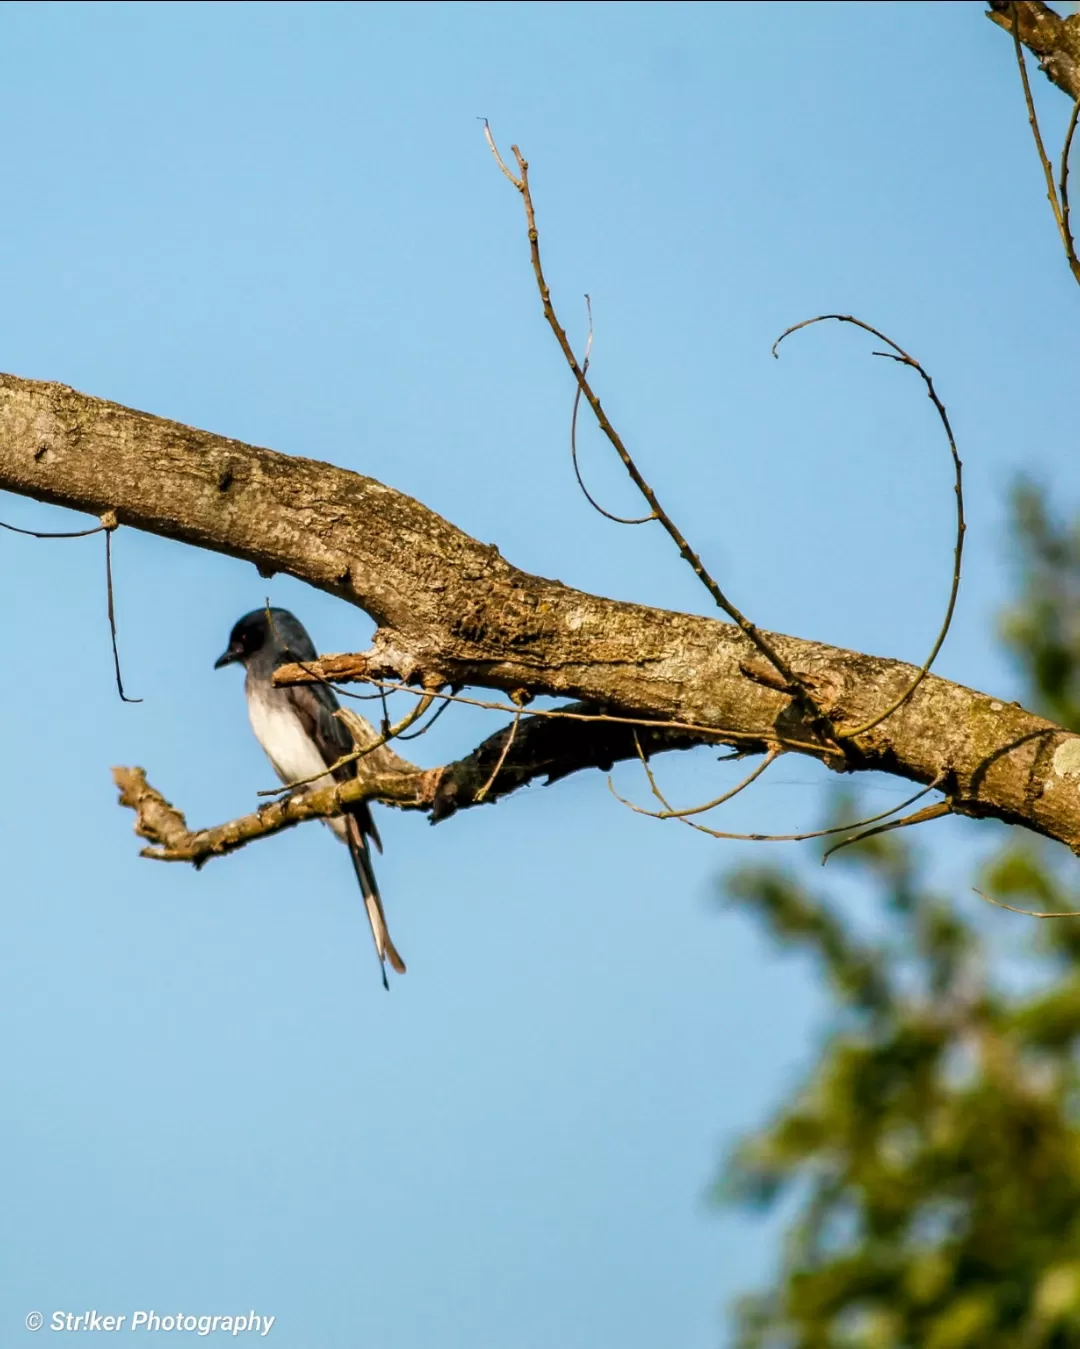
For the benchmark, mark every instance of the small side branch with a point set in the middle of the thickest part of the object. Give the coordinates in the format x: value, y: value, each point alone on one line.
x: 530, y: 749
x: 670, y: 813
x: 545, y: 749
x: 615, y: 519
x: 899, y: 355
x: 509, y: 736
x: 1063, y: 184
x: 800, y: 692
x: 1056, y: 194
x: 1027, y: 913
x: 108, y: 524
x: 936, y: 811
x: 165, y: 828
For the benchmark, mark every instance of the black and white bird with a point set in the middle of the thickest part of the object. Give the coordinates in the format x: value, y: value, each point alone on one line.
x: 302, y: 737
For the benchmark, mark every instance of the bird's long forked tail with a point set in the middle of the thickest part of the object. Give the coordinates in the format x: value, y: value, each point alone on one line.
x: 361, y: 858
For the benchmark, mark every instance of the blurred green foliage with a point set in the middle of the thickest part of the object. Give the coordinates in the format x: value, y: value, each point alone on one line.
x: 932, y: 1154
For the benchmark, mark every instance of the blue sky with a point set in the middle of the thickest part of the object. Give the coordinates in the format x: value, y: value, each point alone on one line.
x: 280, y: 222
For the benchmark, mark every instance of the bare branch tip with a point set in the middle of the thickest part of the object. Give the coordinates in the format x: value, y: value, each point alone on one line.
x: 108, y: 530
x: 1026, y: 913
x: 934, y: 812
x: 511, y: 737
x: 902, y: 357
x: 518, y: 183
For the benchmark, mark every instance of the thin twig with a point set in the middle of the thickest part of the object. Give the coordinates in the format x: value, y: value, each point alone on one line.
x: 759, y: 838
x: 769, y: 758
x: 802, y: 838
x: 799, y: 690
x: 618, y: 519
x: 108, y: 524
x: 494, y: 150
x: 482, y: 793
x: 415, y: 735
x: 1059, y: 209
x: 106, y: 527
x: 1028, y: 913
x: 360, y: 697
x: 934, y: 812
x: 899, y: 355
x: 1063, y: 187
x: 768, y: 736
x: 37, y: 534
x: 359, y: 728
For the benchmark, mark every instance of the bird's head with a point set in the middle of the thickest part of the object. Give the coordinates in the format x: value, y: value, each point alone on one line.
x: 275, y: 630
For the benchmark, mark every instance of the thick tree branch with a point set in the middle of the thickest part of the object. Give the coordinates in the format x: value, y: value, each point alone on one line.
x: 453, y: 611
x: 1054, y: 40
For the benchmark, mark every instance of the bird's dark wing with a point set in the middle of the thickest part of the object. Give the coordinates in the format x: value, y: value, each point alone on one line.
x: 315, y: 705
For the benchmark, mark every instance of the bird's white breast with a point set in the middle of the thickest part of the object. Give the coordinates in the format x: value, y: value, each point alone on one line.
x: 294, y: 756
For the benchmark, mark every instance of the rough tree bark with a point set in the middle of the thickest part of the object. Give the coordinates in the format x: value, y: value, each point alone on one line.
x: 1053, y: 39
x: 453, y: 612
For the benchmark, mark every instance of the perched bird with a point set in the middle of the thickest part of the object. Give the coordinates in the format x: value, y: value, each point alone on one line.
x: 302, y: 737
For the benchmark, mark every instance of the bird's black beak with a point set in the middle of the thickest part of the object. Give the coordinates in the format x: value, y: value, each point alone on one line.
x: 229, y: 657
